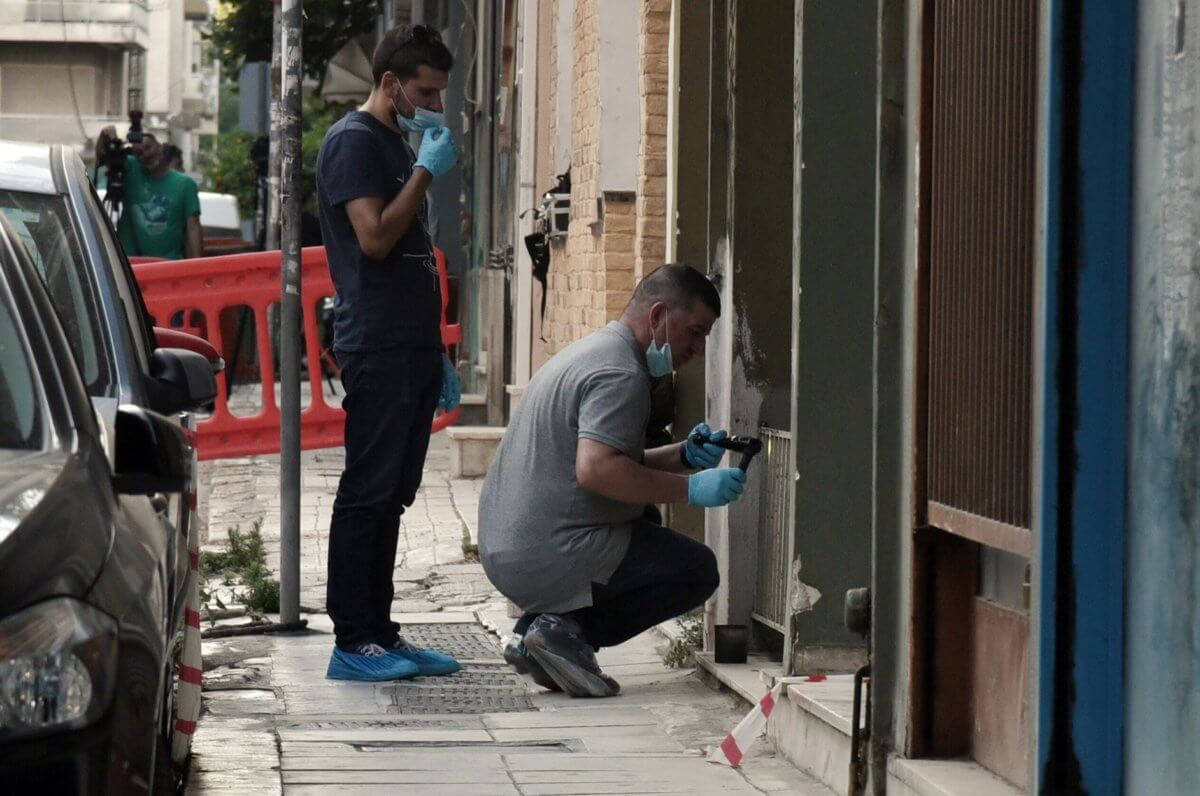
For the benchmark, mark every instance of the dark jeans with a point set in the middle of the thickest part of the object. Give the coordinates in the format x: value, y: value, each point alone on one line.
x: 663, y: 575
x: 390, y: 400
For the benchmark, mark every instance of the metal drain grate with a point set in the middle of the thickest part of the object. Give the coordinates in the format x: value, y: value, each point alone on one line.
x: 464, y: 642
x: 485, y: 685
x: 382, y: 722
x: 476, y: 689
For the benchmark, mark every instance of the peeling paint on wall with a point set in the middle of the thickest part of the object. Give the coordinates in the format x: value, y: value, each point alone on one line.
x: 717, y: 363
x: 803, y: 596
x: 1163, y: 613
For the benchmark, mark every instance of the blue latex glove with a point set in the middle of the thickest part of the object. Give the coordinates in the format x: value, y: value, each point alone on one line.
x: 704, y: 456
x: 451, y: 388
x: 437, y: 154
x: 715, y: 488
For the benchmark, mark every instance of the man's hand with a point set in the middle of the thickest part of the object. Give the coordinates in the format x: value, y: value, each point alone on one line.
x: 437, y: 154
x: 715, y: 488
x: 451, y: 387
x: 704, y: 455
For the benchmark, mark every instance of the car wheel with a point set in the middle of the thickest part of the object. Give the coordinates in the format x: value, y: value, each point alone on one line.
x: 165, y: 782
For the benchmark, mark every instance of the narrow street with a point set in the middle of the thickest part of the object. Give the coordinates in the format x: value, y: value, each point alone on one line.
x: 271, y: 722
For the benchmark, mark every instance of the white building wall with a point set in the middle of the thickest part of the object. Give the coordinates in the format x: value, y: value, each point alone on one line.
x: 59, y: 93
x: 165, y: 64
x: 565, y: 52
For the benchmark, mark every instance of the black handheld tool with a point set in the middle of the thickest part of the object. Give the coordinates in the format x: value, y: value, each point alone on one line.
x: 749, y: 447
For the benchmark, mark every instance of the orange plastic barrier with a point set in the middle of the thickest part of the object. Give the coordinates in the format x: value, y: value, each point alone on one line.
x: 208, y: 285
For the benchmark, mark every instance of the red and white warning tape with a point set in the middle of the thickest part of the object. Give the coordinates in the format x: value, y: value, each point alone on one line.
x: 191, y: 671
x: 737, y: 743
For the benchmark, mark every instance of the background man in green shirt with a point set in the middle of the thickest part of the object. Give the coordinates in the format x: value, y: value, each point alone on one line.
x: 160, y: 216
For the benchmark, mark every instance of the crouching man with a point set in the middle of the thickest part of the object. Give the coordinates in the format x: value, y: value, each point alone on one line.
x: 564, y: 530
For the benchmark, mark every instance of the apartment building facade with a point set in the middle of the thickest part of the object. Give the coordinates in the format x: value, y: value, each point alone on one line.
x: 69, y: 68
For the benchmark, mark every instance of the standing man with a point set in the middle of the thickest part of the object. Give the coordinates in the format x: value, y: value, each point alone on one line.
x: 563, y: 527
x: 160, y: 215
x: 387, y: 309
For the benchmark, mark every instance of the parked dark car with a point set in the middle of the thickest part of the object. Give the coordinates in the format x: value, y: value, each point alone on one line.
x: 88, y: 616
x: 60, y: 222
x: 46, y: 194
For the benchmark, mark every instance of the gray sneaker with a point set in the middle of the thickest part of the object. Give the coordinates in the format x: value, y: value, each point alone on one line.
x: 557, y: 643
x: 519, y: 658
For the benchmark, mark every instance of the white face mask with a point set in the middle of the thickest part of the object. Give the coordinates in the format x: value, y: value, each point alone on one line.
x: 423, y: 119
x: 658, y: 358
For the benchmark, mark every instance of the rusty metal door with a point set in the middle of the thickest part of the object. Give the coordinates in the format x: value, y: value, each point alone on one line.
x: 981, y: 161
x: 979, y: 135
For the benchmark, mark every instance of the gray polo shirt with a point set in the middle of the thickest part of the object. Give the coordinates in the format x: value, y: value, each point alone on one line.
x: 544, y: 539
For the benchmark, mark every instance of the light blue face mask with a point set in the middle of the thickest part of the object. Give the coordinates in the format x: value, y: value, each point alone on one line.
x: 658, y: 359
x: 423, y: 119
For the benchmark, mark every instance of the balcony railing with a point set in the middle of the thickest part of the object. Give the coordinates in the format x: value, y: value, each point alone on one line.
x: 111, y: 12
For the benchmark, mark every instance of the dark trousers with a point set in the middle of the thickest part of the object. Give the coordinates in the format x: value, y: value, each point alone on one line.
x: 390, y: 400
x: 664, y: 574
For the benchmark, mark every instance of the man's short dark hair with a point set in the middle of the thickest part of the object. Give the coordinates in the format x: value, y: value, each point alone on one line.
x: 405, y: 48
x: 677, y: 285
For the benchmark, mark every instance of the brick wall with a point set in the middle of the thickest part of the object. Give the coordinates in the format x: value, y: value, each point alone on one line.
x: 576, y: 303
x: 613, y: 237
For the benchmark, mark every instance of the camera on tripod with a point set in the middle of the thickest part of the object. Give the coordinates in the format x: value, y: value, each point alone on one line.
x: 113, y: 156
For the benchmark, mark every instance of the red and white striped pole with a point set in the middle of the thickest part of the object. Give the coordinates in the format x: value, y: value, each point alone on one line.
x: 191, y: 669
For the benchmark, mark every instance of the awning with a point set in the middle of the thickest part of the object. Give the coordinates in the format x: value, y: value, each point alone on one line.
x: 348, y: 76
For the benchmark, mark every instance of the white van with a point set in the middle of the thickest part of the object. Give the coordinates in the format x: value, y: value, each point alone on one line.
x: 219, y: 215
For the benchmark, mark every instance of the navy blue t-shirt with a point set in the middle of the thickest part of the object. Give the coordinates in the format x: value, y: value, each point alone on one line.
x: 390, y: 303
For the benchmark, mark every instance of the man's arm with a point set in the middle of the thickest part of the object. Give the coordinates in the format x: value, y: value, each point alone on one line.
x: 606, y: 471
x: 668, y: 458
x: 193, y: 243
x: 380, y: 227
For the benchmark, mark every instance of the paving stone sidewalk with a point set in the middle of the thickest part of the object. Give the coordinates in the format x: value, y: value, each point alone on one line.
x: 272, y: 723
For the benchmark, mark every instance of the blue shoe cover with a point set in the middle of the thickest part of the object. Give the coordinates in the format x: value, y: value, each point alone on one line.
x: 368, y: 663
x: 428, y: 662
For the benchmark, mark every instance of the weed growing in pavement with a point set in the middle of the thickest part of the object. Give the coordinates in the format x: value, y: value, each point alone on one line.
x: 262, y: 593
x: 243, y: 562
x: 245, y: 550
x: 691, y: 637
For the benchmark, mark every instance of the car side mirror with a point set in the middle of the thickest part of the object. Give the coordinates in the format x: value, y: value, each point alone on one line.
x: 151, y: 453
x: 181, y: 381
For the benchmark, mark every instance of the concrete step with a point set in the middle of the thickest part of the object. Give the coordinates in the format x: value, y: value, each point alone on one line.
x: 810, y: 725
x: 811, y: 728
x: 472, y: 449
x: 944, y: 778
x: 750, y: 680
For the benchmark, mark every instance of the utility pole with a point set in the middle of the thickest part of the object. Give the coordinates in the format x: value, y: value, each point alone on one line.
x: 291, y: 166
x: 272, y: 221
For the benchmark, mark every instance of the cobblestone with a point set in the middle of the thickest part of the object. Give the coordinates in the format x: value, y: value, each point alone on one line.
x: 436, y: 532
